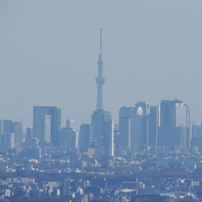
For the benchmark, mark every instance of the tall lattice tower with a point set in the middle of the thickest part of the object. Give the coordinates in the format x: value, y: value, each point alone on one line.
x: 100, y: 80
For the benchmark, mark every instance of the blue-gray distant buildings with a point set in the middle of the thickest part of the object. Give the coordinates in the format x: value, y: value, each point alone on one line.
x: 133, y: 126
x: 103, y: 132
x: 47, y: 124
x: 85, y: 137
x: 165, y: 125
x: 138, y: 129
x: 69, y: 136
x: 124, y: 137
x: 175, y: 126
x: 10, y: 135
x: 144, y: 106
x: 153, y: 125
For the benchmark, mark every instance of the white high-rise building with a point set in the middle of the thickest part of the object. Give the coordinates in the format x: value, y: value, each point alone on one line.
x: 70, y: 123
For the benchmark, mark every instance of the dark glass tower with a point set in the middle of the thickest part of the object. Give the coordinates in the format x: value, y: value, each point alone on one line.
x: 47, y: 121
x: 175, y: 124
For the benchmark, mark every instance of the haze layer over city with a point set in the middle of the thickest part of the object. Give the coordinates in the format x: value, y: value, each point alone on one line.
x: 49, y: 52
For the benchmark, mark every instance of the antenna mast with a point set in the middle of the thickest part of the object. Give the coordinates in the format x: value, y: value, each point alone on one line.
x: 100, y: 40
x: 100, y: 79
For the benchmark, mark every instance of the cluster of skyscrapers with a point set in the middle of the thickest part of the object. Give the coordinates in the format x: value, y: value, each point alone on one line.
x: 167, y: 124
x: 141, y: 126
x: 10, y: 135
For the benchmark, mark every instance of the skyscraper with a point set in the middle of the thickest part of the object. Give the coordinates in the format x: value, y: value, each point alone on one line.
x: 174, y: 124
x: 47, y: 123
x: 133, y: 129
x: 103, y: 132
x: 144, y: 106
x: 138, y: 129
x: 154, y: 123
x: 69, y: 139
x: 85, y: 137
x: 70, y: 123
x: 108, y: 140
x: 124, y: 137
x: 17, y: 130
x: 11, y: 134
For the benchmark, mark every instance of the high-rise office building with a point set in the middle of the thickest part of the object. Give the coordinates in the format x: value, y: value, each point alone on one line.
x: 98, y: 120
x: 70, y: 123
x: 154, y: 123
x: 168, y: 113
x: 17, y: 130
x: 196, y: 131
x: 11, y: 134
x: 69, y: 139
x: 144, y: 106
x: 5, y: 129
x: 11, y: 142
x: 138, y: 129
x: 47, y: 124
x: 133, y: 126
x: 85, y: 137
x: 175, y: 127
x: 189, y: 128
x: 108, y: 139
x: 29, y: 133
x: 124, y: 137
x: 102, y: 131
x: 43, y: 123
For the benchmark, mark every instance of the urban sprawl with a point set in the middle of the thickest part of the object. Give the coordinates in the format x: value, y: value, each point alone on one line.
x: 153, y: 154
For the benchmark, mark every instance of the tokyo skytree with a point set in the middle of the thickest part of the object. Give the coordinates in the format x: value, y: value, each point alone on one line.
x: 100, y: 80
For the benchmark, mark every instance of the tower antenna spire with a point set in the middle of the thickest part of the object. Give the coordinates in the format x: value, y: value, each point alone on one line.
x: 100, y: 79
x: 100, y: 40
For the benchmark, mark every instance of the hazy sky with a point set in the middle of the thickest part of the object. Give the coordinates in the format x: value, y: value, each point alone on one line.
x: 49, y: 49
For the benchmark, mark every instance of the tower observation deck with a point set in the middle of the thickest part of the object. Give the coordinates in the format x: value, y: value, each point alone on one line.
x: 100, y: 80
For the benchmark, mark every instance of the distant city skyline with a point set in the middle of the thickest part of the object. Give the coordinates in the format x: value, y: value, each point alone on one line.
x: 48, y: 56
